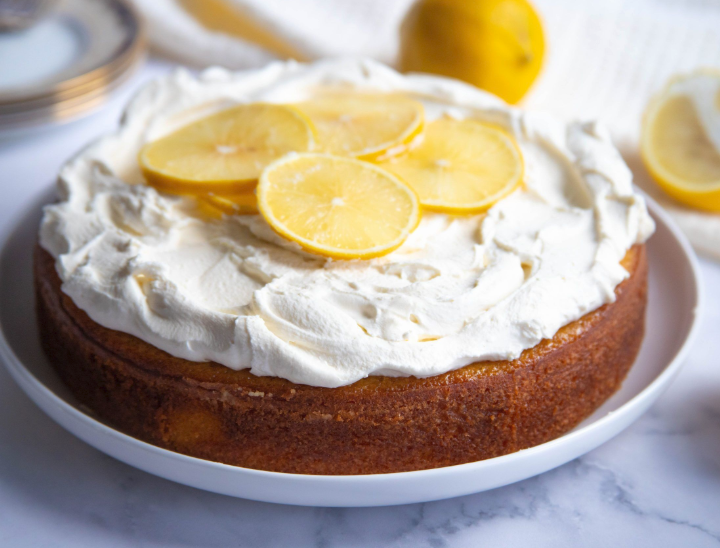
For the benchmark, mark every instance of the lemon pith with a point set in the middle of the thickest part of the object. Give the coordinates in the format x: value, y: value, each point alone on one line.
x: 364, y: 125
x: 461, y: 166
x: 225, y: 152
x: 677, y: 150
x: 338, y: 207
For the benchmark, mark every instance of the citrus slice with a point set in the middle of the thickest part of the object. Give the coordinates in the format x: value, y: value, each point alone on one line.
x: 238, y: 204
x: 461, y: 166
x: 226, y: 151
x: 681, y: 140
x: 338, y: 207
x: 364, y: 125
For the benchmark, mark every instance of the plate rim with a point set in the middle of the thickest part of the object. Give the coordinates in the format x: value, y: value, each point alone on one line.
x: 97, y: 76
x: 633, y: 408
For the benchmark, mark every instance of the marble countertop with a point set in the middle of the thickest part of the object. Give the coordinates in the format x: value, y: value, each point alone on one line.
x: 657, y: 484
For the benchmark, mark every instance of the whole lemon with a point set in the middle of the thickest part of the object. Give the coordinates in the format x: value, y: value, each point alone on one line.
x: 497, y: 45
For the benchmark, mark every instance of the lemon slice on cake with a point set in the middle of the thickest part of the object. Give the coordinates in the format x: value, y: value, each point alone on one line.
x: 225, y: 153
x: 237, y: 204
x: 338, y: 207
x: 461, y: 166
x: 364, y: 125
x: 681, y: 139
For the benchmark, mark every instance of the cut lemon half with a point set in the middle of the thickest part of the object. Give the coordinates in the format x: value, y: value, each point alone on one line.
x: 238, y: 204
x: 226, y: 151
x: 461, y: 166
x: 681, y: 140
x: 364, y: 125
x: 338, y: 207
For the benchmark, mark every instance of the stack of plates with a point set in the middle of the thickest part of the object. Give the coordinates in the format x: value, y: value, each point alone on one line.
x: 68, y: 62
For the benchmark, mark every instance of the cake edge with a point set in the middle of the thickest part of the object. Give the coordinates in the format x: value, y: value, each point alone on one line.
x: 376, y: 425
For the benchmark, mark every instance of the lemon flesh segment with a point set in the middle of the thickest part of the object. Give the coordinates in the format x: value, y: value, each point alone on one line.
x: 678, y: 153
x: 461, y: 166
x: 338, y: 207
x: 225, y: 152
x: 364, y: 125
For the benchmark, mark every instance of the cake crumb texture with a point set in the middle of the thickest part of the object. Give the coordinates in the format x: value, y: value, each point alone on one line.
x: 375, y: 425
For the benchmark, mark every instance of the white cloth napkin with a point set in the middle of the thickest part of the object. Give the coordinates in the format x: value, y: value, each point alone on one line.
x: 316, y: 28
x: 604, y: 59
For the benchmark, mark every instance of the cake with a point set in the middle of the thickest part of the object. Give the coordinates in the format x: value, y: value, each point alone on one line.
x: 219, y: 337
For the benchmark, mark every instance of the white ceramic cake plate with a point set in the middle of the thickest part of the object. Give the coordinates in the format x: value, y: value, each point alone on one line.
x: 672, y: 320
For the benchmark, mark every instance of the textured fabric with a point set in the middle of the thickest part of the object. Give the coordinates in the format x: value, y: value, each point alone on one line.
x: 605, y: 59
x: 316, y: 28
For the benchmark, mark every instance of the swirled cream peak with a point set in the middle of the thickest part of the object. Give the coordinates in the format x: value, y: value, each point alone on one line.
x: 460, y: 289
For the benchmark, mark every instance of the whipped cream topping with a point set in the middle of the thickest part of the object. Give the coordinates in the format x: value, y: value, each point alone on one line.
x: 459, y: 290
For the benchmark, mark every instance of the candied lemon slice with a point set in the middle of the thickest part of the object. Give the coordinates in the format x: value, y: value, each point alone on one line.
x: 338, y: 207
x: 677, y: 145
x: 461, y: 166
x: 364, y: 125
x: 225, y: 152
x: 237, y: 204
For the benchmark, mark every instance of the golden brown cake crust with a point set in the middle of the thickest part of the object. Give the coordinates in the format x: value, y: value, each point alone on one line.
x: 376, y: 425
